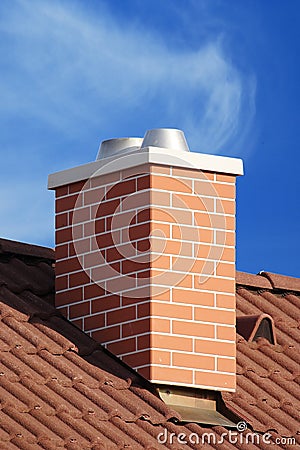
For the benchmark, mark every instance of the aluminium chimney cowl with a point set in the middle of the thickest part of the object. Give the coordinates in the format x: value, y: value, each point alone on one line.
x: 117, y: 146
x: 169, y: 138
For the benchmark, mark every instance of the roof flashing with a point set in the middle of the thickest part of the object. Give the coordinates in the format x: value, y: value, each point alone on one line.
x: 195, y: 405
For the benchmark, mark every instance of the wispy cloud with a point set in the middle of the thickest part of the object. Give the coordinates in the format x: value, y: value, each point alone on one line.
x: 73, y: 74
x: 70, y: 68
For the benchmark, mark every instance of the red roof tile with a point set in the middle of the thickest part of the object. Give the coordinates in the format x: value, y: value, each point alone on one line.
x: 60, y: 389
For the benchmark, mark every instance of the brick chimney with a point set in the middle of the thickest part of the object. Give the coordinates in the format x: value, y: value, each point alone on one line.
x: 145, y: 257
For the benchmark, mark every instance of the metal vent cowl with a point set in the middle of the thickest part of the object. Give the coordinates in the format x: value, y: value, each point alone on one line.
x: 169, y: 138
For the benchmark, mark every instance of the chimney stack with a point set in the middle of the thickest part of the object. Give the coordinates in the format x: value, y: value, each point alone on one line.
x: 145, y: 257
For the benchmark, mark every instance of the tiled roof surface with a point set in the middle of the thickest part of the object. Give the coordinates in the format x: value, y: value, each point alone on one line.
x: 60, y: 389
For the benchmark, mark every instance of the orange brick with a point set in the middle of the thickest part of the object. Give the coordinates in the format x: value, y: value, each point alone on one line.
x: 169, y: 310
x: 161, y: 230
x: 122, y: 346
x: 160, y: 325
x: 228, y: 254
x: 102, y: 180
x: 186, y: 233
x: 193, y: 297
x: 203, y: 219
x: 225, y: 190
x: 193, y: 361
x: 137, y: 358
x: 143, y: 245
x: 68, y: 297
x: 226, y: 270
x: 215, y: 284
x: 61, y: 283
x: 192, y: 202
x: 61, y: 251
x: 81, y: 309
x: 63, y: 235
x: 137, y: 200
x: 160, y: 261
x: 160, y: 169
x: 214, y: 380
x: 145, y: 372
x: 205, y: 188
x: 61, y: 191
x: 215, y: 347
x: 215, y: 252
x: 171, y: 215
x: 226, y: 365
x: 225, y: 178
x: 192, y: 265
x: 136, y: 295
x: 160, y: 293
x: 214, y: 221
x: 225, y: 238
x: 215, y: 316
x: 107, y: 334
x: 67, y: 266
x: 193, y: 329
x: 120, y: 189
x: 143, y: 182
x: 144, y: 309
x: 135, y: 171
x: 129, y: 266
x: 192, y: 173
x: 120, y: 284
x: 166, y: 342
x: 226, y: 301
x: 171, y: 184
x: 143, y: 342
x: 61, y: 220
x: 135, y: 232
x: 143, y: 216
x: 121, y: 315
x: 78, y: 323
x: 78, y: 186
x: 161, y: 357
x: 206, y: 236
x: 172, y: 375
x: 94, y: 196
x: 160, y: 198
x: 171, y: 247
x: 92, y: 322
x: 225, y: 206
x: 105, y: 303
x: 136, y: 327
x: 171, y: 278
x: 67, y: 203
x: 79, y: 279
x: 227, y: 333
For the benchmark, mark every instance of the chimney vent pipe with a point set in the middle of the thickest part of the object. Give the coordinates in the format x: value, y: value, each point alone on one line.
x: 169, y: 138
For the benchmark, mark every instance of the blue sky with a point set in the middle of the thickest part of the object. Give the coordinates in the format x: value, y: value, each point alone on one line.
x: 76, y: 72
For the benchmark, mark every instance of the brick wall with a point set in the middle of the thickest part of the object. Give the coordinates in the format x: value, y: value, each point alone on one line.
x: 146, y: 265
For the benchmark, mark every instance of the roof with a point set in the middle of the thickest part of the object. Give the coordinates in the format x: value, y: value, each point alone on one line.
x: 61, y: 389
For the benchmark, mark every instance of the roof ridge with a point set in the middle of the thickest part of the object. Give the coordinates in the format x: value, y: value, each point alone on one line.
x: 22, y: 248
x: 279, y: 281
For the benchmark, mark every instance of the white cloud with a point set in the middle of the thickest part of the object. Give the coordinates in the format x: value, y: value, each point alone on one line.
x: 71, y: 69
